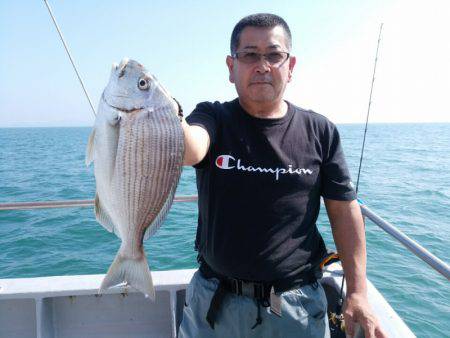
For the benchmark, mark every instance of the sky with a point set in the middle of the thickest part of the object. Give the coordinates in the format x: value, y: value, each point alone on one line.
x: 184, y: 44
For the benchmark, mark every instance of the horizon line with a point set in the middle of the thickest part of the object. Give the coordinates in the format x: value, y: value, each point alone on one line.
x: 336, y: 123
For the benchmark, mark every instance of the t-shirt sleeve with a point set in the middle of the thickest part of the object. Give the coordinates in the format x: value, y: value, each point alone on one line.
x: 204, y: 116
x: 336, y: 181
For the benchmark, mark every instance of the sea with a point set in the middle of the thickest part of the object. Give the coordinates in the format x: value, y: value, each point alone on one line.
x: 405, y: 178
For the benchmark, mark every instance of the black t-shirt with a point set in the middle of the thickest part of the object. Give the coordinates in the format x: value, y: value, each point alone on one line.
x: 259, y: 190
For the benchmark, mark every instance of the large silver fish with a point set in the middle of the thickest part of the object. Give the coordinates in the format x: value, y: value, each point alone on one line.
x: 137, y: 146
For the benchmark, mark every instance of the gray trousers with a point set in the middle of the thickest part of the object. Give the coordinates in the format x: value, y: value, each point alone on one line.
x: 304, y: 313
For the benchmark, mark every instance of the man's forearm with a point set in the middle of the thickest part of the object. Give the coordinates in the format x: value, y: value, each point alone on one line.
x: 349, y: 235
x: 196, y: 143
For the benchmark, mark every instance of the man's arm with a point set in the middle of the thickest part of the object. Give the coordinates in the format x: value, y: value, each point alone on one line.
x: 196, y: 143
x: 349, y: 235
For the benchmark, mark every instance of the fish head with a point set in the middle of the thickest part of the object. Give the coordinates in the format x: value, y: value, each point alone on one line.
x: 131, y: 87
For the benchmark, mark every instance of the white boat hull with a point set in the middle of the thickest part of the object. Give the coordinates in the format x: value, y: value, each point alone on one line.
x: 69, y: 307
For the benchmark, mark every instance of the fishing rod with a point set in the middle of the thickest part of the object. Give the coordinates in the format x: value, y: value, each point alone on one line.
x: 70, y: 56
x: 341, y: 299
x: 368, y: 108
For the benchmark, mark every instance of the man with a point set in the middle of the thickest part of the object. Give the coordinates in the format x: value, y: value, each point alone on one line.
x: 262, y: 165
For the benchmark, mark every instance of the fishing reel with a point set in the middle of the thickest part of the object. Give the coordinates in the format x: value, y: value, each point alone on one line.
x: 337, y: 324
x: 335, y: 315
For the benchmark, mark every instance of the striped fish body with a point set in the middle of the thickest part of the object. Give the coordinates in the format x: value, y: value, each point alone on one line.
x: 148, y: 166
x: 137, y: 147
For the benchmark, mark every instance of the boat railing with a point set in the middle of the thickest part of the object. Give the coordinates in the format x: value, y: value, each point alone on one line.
x: 426, y: 256
x: 69, y: 203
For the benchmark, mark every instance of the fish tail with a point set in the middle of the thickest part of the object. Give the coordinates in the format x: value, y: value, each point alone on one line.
x: 133, y: 271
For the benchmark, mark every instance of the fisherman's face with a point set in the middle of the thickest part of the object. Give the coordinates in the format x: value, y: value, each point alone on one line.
x: 261, y: 81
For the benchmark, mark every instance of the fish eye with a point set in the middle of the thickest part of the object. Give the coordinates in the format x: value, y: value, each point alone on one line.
x: 143, y: 84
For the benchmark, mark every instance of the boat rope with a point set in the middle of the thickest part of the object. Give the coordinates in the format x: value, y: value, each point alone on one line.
x: 70, y: 56
x: 341, y: 298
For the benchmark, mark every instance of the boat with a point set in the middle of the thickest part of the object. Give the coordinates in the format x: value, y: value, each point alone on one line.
x: 70, y: 306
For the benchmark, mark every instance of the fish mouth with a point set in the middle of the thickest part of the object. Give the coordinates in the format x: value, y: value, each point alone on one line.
x: 123, y: 110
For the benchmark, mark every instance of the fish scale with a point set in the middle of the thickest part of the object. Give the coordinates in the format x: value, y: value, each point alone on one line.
x: 156, y: 165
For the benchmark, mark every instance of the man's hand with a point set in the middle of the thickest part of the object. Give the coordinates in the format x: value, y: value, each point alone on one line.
x: 349, y: 235
x: 358, y: 310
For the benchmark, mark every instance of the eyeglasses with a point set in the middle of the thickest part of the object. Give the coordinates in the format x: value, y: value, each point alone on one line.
x: 274, y: 58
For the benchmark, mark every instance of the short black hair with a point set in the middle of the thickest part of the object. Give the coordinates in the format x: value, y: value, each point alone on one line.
x: 263, y: 20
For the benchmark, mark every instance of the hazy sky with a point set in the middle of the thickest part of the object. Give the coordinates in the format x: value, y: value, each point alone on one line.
x: 184, y: 43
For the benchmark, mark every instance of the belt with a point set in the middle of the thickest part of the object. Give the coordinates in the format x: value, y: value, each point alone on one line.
x: 264, y: 293
x: 240, y: 287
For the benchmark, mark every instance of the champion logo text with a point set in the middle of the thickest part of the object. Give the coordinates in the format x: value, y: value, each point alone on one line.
x: 228, y: 162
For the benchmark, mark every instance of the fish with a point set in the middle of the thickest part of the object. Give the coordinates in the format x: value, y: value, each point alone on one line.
x: 137, y: 147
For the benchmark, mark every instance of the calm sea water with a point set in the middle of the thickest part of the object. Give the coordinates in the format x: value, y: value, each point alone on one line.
x: 405, y: 179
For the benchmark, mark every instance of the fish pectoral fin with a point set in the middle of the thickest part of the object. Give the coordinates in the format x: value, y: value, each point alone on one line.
x: 102, y: 216
x: 90, y: 148
x: 135, y: 272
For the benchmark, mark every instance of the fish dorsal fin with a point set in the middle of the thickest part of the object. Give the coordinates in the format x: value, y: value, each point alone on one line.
x: 90, y: 148
x: 102, y: 216
x: 156, y: 224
